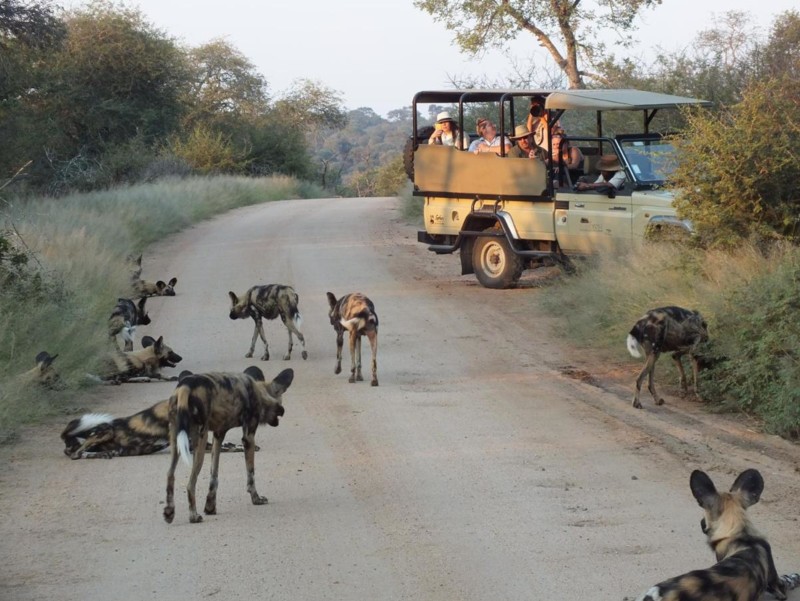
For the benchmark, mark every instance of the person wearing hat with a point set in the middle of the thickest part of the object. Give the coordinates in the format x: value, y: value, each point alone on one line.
x: 489, y: 141
x: 611, y: 174
x: 446, y: 132
x: 524, y: 148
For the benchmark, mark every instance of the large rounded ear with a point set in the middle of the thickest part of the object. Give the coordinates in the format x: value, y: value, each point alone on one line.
x: 44, y: 357
x: 281, y: 382
x: 703, y: 489
x: 234, y: 298
x: 331, y: 299
x: 748, y: 486
x: 148, y: 341
x: 255, y: 373
x: 184, y: 374
x: 173, y: 281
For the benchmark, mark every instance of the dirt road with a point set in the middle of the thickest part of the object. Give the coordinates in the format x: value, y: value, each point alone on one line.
x: 493, y: 462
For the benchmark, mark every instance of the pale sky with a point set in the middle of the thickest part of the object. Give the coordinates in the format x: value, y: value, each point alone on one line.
x: 379, y: 53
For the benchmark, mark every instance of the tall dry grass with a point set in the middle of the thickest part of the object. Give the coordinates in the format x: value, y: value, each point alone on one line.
x: 79, y: 246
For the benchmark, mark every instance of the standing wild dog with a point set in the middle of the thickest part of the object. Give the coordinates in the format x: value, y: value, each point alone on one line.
x: 144, y: 288
x: 140, y: 366
x: 663, y: 330
x: 96, y: 435
x: 217, y: 402
x: 124, y: 318
x: 269, y: 302
x: 44, y: 374
x: 745, y: 568
x: 355, y: 313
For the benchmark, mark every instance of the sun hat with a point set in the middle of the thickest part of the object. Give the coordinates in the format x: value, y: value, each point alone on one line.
x: 520, y: 131
x: 444, y: 116
x: 609, y: 162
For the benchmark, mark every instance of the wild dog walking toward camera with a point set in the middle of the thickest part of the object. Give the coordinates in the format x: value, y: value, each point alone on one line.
x: 355, y: 313
x: 269, y: 302
x: 745, y: 568
x: 140, y: 366
x: 101, y: 436
x: 44, y: 374
x: 217, y: 402
x: 667, y: 329
x: 124, y: 318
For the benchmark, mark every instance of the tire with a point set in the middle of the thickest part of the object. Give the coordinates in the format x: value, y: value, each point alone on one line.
x: 423, y: 133
x: 495, y: 264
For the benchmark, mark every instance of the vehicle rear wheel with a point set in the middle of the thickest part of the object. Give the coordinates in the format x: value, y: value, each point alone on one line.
x: 495, y: 264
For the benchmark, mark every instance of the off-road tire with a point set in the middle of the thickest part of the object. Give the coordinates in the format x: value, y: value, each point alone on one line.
x: 495, y: 264
x: 423, y: 133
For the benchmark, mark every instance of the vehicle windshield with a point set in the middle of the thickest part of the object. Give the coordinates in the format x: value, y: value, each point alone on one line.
x: 651, y: 160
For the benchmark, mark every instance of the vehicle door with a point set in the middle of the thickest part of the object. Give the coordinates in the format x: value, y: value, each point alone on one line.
x: 589, y: 222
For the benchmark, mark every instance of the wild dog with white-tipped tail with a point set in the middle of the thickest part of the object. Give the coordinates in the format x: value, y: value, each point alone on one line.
x: 667, y: 329
x: 355, y: 313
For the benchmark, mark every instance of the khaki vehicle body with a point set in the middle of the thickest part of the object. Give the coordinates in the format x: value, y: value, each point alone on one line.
x: 504, y: 215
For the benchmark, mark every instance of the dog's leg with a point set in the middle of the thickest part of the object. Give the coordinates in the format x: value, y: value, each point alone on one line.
x: 293, y: 328
x: 651, y: 385
x: 198, y: 438
x: 775, y: 586
x: 676, y: 357
x: 639, y: 380
x: 256, y: 321
x: 695, y: 372
x: 211, y: 499
x: 169, y: 508
x: 249, y: 444
x: 359, y: 377
x: 354, y: 363
x: 372, y: 336
x: 339, y: 345
x: 260, y: 326
x: 85, y: 450
x: 288, y: 354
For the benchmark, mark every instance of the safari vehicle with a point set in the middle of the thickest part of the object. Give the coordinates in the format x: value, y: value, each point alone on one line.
x: 504, y: 215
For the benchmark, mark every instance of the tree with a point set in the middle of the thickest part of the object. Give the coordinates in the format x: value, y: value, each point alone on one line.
x: 567, y: 29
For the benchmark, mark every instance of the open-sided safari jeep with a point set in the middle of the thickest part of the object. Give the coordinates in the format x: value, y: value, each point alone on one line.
x: 504, y: 215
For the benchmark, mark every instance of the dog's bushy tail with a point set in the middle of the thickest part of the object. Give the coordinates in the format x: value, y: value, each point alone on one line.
x: 85, y: 423
x: 792, y: 581
x: 633, y: 347
x: 182, y: 423
x: 635, y: 337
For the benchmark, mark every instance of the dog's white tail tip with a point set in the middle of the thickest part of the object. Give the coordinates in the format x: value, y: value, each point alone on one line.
x: 633, y: 347
x: 183, y: 448
x: 298, y: 320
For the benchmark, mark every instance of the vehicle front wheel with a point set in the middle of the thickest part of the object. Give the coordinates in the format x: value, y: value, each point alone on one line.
x: 494, y: 263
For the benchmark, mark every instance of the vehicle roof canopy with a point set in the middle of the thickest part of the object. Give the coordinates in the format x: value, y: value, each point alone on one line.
x: 598, y: 100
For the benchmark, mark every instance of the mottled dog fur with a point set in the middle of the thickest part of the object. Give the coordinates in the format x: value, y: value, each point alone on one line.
x: 140, y: 366
x: 44, y: 374
x: 667, y: 329
x: 745, y: 568
x: 101, y: 436
x: 124, y: 319
x: 143, y: 288
x: 354, y: 313
x: 268, y: 302
x: 217, y: 402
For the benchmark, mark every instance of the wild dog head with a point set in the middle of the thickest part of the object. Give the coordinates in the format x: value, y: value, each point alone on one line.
x: 166, y: 356
x: 745, y: 567
x: 240, y: 307
x: 44, y: 374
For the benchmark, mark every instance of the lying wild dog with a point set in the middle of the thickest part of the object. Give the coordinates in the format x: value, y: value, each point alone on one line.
x: 745, y: 568
x: 355, y: 313
x: 98, y: 435
x: 217, y: 402
x: 143, y: 288
x: 44, y: 374
x: 139, y: 366
x: 124, y: 318
x: 269, y: 302
x: 667, y: 329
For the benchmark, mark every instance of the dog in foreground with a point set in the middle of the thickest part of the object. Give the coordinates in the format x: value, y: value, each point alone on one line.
x: 217, y: 402
x: 269, y: 302
x: 95, y: 435
x: 355, y: 314
x: 667, y: 329
x: 745, y: 568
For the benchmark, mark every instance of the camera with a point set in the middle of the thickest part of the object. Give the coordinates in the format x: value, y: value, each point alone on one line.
x: 537, y: 110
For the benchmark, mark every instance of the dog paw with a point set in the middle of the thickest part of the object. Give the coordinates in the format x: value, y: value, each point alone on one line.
x: 249, y: 355
x: 265, y: 357
x: 210, y: 510
x: 636, y: 404
x: 286, y: 357
x: 660, y: 401
x: 195, y: 519
x: 169, y: 514
x: 351, y: 379
x: 359, y: 378
x: 338, y: 369
x: 304, y: 355
x: 374, y: 382
x: 259, y: 500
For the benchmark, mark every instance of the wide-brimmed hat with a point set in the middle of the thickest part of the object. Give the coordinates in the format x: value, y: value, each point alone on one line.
x: 520, y: 131
x: 444, y: 116
x: 609, y: 162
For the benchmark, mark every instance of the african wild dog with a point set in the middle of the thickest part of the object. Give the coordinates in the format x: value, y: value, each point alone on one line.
x: 44, y: 374
x: 139, y: 366
x: 355, y: 313
x: 99, y: 435
x: 124, y: 318
x: 663, y: 330
x: 136, y: 268
x: 745, y: 568
x: 269, y: 302
x: 217, y: 402
x: 143, y: 288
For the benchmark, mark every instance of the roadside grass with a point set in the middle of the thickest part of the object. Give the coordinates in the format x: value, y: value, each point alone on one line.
x: 749, y: 298
x: 78, y: 247
x: 410, y: 206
